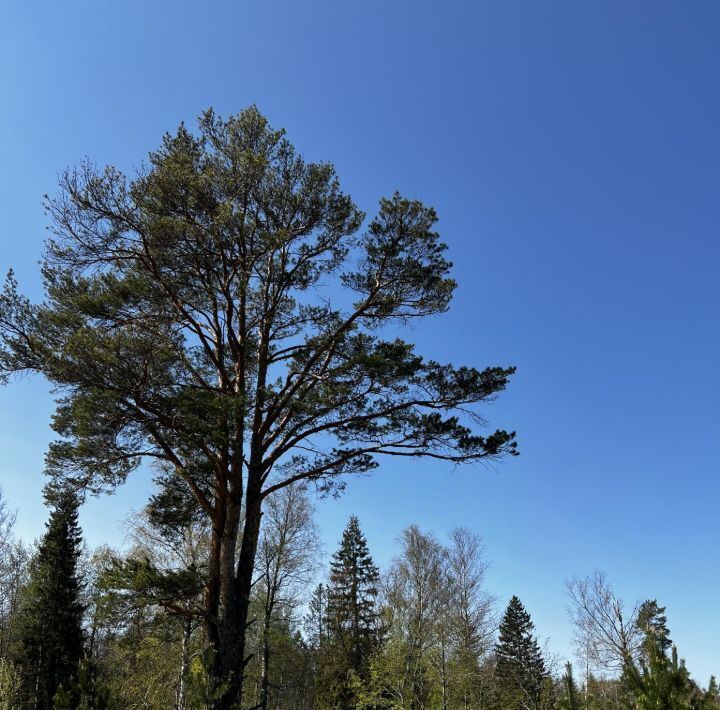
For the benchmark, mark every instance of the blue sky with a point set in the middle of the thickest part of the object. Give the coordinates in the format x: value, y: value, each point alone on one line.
x: 572, y: 152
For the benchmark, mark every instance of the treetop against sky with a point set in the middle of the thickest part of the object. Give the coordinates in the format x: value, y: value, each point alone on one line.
x: 571, y: 154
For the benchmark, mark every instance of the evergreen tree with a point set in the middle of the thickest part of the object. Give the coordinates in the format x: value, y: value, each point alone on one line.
x: 711, y: 697
x: 652, y: 621
x: 570, y: 699
x: 9, y: 685
x: 315, y: 620
x: 50, y: 637
x: 85, y: 691
x: 520, y: 670
x: 658, y: 680
x: 352, y: 618
x: 161, y: 580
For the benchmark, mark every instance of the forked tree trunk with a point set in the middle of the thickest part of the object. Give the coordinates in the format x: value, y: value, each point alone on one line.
x: 228, y: 668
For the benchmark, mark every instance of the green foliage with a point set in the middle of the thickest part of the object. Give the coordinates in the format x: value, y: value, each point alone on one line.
x: 658, y: 679
x: 49, y: 636
x: 137, y: 268
x: 187, y: 321
x: 710, y: 698
x: 150, y: 600
x: 201, y: 693
x: 138, y: 581
x: 520, y: 670
x: 351, y: 619
x: 653, y: 624
x: 351, y: 607
x: 570, y: 697
x: 10, y: 685
x: 85, y: 691
x: 372, y: 692
x: 141, y: 668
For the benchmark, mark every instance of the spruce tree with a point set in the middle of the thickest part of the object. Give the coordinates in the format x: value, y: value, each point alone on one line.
x: 352, y: 618
x: 520, y: 673
x: 50, y: 638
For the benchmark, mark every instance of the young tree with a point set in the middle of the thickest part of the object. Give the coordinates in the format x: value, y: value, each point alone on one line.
x: 352, y: 616
x: 657, y: 680
x: 315, y: 621
x: 163, y: 576
x: 50, y: 637
x: 570, y: 698
x: 222, y: 314
x: 520, y: 670
x: 711, y: 696
x: 84, y: 692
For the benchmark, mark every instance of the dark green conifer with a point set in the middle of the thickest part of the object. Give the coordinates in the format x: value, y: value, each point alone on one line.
x: 658, y: 680
x: 84, y: 692
x: 520, y: 670
x: 50, y: 638
x: 352, y: 617
x: 652, y: 621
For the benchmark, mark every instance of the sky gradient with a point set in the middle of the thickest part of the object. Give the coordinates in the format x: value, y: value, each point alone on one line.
x: 572, y: 152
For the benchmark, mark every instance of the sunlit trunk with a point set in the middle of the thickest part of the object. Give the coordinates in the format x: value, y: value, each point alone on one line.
x: 184, y: 666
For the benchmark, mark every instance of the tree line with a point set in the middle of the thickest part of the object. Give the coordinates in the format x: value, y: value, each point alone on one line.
x: 118, y: 630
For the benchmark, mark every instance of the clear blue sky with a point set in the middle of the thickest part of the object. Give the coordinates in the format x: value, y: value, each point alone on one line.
x: 572, y: 151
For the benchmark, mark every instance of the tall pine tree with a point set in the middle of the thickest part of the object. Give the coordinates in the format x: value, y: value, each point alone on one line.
x: 352, y: 617
x: 520, y: 675
x: 50, y: 638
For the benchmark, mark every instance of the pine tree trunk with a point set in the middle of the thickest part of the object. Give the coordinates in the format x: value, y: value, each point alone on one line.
x: 228, y: 670
x: 221, y: 605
